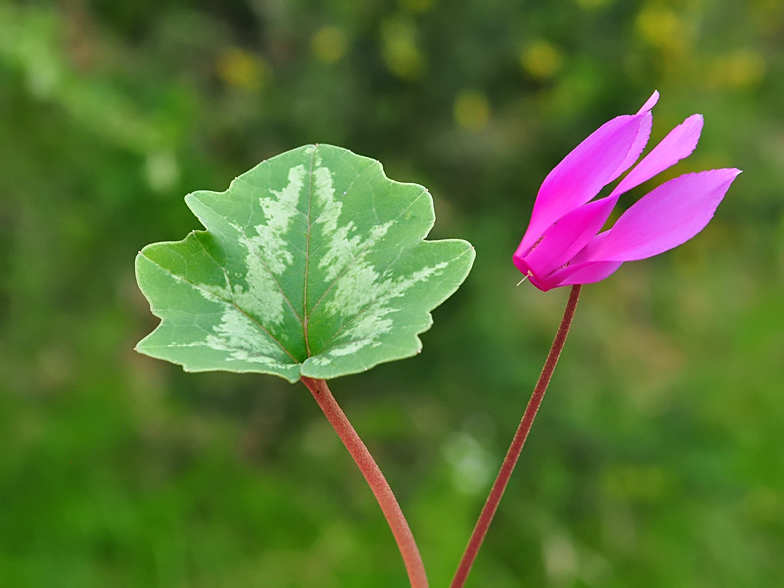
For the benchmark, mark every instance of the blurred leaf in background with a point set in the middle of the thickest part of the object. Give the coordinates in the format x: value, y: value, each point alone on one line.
x: 658, y: 458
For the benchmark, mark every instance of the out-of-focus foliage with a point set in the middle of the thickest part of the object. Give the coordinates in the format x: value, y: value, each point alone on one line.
x: 658, y: 457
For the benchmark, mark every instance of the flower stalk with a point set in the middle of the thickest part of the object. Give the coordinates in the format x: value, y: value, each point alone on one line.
x: 375, y: 479
x: 508, y: 465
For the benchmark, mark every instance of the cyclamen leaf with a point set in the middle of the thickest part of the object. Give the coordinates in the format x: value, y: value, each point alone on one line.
x: 313, y: 264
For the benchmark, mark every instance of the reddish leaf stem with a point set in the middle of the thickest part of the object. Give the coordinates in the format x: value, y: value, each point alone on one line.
x: 497, y: 491
x: 375, y: 479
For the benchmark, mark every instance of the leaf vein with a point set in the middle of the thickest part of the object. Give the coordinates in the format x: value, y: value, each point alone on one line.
x: 367, y: 307
x: 359, y: 255
x: 231, y: 302
x: 263, y: 263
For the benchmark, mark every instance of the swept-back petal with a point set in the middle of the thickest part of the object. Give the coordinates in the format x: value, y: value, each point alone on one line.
x: 677, y: 145
x: 650, y: 103
x: 598, y: 160
x: 564, y: 239
x: 665, y: 218
x: 640, y: 141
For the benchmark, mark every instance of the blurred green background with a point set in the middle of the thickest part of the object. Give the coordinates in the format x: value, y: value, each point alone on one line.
x: 658, y: 457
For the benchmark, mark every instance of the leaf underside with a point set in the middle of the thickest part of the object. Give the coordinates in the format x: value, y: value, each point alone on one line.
x: 313, y: 264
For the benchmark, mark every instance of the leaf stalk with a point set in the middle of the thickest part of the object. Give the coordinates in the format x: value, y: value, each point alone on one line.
x: 375, y: 479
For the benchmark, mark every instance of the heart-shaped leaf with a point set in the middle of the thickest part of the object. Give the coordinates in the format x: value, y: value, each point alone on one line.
x: 313, y: 264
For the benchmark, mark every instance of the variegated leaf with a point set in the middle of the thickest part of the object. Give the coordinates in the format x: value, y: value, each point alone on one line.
x: 313, y: 264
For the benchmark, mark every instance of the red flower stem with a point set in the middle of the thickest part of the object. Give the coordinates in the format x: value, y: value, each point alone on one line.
x: 375, y: 479
x: 497, y: 491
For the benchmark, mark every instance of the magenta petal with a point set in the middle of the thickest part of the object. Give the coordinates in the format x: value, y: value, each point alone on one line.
x: 650, y: 103
x: 667, y: 217
x: 678, y: 144
x: 641, y: 140
x: 602, y: 157
x: 565, y: 238
x: 587, y: 272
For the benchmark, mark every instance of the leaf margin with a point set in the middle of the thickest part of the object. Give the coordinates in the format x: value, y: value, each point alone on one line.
x: 294, y: 371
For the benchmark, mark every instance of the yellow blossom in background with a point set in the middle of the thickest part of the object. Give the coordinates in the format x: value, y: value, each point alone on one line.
x: 399, y: 49
x: 472, y: 110
x: 541, y: 60
x: 243, y: 70
x: 329, y: 44
x: 739, y: 69
x: 661, y: 27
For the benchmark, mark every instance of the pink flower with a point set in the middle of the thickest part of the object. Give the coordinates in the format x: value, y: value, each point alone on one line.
x: 563, y: 246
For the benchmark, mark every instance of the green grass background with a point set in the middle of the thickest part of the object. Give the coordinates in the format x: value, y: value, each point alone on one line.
x: 658, y: 457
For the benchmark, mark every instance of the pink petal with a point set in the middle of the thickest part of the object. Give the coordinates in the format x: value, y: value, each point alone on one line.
x: 594, y: 163
x: 665, y: 218
x: 650, y: 103
x: 677, y: 145
x: 642, y: 137
x: 640, y: 141
x: 587, y: 272
x: 565, y: 238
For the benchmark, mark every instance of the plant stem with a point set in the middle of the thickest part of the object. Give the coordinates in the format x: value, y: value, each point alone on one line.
x: 497, y: 491
x: 375, y: 479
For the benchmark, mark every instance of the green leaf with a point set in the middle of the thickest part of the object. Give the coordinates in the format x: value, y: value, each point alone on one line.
x: 313, y: 264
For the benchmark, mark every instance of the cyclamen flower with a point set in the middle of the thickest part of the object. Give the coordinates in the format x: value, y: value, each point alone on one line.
x: 563, y: 246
